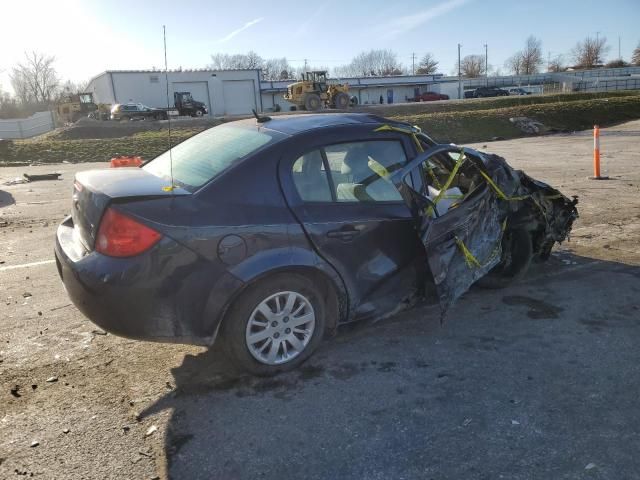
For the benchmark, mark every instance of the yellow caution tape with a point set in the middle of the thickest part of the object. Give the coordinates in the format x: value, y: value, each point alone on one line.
x: 447, y: 184
x: 378, y: 168
x: 412, y: 133
x: 499, y: 193
x: 170, y: 188
x: 471, y: 260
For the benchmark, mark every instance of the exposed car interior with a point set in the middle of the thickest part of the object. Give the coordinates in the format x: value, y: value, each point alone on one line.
x: 358, y: 172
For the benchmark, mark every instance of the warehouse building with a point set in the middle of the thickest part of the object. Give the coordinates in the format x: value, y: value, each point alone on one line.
x: 238, y: 92
x: 366, y: 90
x: 228, y: 92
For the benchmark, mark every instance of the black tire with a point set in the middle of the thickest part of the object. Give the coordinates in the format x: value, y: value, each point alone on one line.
x: 199, y: 113
x: 517, y: 253
x: 312, y: 102
x: 234, y: 326
x: 341, y: 101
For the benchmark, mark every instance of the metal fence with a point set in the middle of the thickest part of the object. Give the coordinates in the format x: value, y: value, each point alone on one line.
x: 608, y: 85
x: 36, y: 124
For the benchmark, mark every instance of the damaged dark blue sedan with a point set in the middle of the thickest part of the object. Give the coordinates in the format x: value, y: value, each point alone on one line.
x: 266, y: 234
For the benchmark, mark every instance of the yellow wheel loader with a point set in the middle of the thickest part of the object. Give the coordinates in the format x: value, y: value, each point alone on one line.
x: 313, y: 93
x: 72, y: 107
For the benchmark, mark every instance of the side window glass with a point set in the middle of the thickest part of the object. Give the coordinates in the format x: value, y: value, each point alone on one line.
x: 310, y: 178
x: 360, y: 170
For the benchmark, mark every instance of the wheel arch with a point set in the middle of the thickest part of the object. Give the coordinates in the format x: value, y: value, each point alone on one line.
x: 330, y: 284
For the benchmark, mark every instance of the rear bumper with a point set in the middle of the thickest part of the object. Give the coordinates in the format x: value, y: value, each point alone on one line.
x: 161, y: 295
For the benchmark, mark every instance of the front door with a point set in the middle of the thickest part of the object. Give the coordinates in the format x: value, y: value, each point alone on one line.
x: 357, y: 220
x: 459, y: 222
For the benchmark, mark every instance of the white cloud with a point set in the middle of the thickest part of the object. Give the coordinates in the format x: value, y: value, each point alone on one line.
x: 401, y: 25
x: 241, y: 29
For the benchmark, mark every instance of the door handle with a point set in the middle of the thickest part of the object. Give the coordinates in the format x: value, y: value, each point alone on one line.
x: 346, y: 233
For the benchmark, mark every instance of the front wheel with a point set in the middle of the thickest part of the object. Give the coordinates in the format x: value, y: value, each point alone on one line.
x: 312, y: 102
x: 517, y: 252
x: 341, y: 101
x: 199, y: 113
x: 275, y: 325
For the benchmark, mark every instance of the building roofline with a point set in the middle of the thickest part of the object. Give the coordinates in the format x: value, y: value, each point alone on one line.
x: 181, y: 70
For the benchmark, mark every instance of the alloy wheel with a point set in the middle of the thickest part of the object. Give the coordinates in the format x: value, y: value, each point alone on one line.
x: 280, y: 328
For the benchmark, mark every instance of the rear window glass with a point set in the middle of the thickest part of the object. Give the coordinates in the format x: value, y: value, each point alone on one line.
x: 202, y: 157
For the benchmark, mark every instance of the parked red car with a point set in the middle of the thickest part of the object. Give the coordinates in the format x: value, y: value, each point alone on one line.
x: 430, y: 97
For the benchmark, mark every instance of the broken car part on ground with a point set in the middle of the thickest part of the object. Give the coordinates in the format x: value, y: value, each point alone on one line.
x: 270, y: 233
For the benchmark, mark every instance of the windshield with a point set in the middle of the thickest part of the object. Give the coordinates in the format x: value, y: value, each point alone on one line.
x: 202, y: 157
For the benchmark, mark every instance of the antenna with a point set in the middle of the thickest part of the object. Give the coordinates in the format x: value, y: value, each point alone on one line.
x: 260, y: 118
x: 166, y: 80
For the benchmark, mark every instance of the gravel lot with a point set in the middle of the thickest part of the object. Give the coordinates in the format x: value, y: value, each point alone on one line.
x: 539, y: 380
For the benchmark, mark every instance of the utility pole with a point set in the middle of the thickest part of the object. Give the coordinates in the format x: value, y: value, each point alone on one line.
x: 619, y: 54
x: 305, y: 64
x: 459, y: 74
x: 413, y: 64
x: 486, y: 63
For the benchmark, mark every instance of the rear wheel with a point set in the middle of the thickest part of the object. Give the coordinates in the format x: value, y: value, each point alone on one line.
x: 517, y: 252
x: 341, y: 101
x: 275, y: 325
x: 312, y: 102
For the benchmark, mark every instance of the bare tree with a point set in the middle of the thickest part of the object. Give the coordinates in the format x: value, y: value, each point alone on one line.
x: 276, y: 69
x: 253, y: 60
x: 528, y: 60
x: 531, y: 56
x: 428, y: 65
x: 35, y: 80
x: 590, y: 52
x: 556, y: 64
x: 372, y: 63
x: 473, y: 66
x: 635, y: 56
x: 224, y: 61
x: 514, y: 63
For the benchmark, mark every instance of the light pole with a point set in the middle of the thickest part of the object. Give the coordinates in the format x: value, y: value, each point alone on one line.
x: 459, y: 74
x: 486, y: 63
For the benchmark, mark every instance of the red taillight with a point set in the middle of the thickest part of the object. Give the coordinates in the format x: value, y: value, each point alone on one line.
x: 122, y: 236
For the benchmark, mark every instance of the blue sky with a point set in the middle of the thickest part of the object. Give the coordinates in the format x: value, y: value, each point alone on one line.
x: 120, y: 34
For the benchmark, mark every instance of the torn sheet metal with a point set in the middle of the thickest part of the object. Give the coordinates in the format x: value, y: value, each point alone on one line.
x: 464, y: 243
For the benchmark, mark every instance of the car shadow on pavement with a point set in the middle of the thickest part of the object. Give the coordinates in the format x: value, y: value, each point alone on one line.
x: 526, y: 379
x: 6, y: 199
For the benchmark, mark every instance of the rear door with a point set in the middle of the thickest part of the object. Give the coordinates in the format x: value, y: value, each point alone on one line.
x: 355, y: 217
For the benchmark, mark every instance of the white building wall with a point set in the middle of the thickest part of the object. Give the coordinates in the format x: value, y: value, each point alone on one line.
x: 100, y: 86
x: 149, y: 88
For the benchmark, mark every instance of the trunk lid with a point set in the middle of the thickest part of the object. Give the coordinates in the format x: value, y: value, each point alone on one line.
x: 95, y: 190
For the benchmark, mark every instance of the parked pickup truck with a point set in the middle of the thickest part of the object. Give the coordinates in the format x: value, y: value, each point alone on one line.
x: 186, y: 105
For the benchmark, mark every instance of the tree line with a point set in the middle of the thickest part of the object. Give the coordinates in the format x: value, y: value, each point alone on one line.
x: 587, y: 53
x: 37, y: 85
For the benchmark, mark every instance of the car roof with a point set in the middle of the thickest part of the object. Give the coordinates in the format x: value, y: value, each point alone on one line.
x: 298, y: 123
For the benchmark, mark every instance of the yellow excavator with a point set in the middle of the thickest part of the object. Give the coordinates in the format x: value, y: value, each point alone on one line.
x: 313, y: 92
